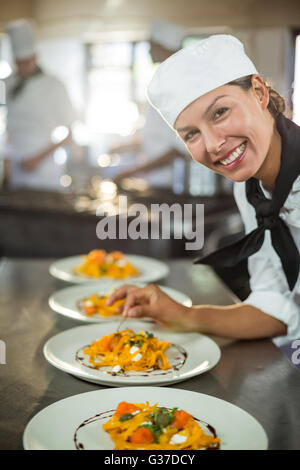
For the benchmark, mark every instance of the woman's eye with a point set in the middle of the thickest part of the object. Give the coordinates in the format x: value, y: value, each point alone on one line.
x: 190, y: 135
x: 220, y: 112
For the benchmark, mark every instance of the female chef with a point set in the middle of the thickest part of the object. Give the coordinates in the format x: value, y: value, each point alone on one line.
x: 37, y: 104
x: 232, y: 122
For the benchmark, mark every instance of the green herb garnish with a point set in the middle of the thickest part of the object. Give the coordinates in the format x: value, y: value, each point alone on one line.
x: 126, y: 416
x: 163, y: 417
x: 149, y: 335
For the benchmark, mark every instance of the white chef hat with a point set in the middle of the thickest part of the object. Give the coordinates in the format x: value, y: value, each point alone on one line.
x: 168, y: 35
x: 22, y: 37
x: 196, y: 70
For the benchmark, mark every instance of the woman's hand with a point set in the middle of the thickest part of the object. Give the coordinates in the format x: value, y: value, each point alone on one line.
x: 238, y: 321
x: 151, y: 301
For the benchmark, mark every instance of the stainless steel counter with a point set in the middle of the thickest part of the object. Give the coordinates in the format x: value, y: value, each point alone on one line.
x: 41, y: 224
x: 253, y: 375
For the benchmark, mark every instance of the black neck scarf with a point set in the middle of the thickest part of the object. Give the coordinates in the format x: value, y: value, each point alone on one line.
x: 267, y: 212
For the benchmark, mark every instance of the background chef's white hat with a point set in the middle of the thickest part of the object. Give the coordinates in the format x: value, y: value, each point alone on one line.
x: 196, y: 70
x: 22, y: 37
x: 168, y: 35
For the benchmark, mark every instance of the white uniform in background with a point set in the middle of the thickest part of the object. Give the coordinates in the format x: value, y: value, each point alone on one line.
x: 41, y: 106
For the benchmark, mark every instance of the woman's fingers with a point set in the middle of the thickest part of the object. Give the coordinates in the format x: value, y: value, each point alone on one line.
x: 147, y: 301
x: 142, y: 302
x: 120, y: 293
x: 135, y: 297
x: 139, y: 311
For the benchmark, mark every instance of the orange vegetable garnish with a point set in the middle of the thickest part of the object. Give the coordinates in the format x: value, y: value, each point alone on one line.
x: 125, y: 407
x: 109, y: 342
x: 181, y: 418
x: 106, y: 342
x: 97, y: 255
x: 142, y: 436
x: 90, y: 310
x: 117, y: 255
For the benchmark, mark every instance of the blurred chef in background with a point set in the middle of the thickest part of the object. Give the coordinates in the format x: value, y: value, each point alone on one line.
x: 37, y: 105
x: 158, y: 146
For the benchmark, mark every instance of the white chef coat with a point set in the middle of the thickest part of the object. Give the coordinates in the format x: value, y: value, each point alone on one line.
x: 41, y: 106
x: 269, y: 287
x: 158, y: 139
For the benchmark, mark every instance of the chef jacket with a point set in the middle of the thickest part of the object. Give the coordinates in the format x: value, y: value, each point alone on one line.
x: 158, y: 139
x: 32, y: 115
x: 269, y: 287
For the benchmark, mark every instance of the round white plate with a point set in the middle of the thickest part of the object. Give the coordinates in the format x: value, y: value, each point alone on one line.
x: 150, y: 270
x: 56, y: 427
x: 192, y: 354
x: 65, y: 301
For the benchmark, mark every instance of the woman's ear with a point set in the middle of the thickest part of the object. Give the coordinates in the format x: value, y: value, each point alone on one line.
x: 260, y: 90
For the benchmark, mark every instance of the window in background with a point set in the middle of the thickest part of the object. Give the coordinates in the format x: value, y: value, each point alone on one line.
x: 201, y: 180
x: 296, y: 95
x: 190, y: 39
x: 5, y: 71
x: 118, y: 74
x: 117, y: 79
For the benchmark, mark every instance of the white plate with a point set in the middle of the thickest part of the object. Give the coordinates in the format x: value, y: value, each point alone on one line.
x: 150, y: 270
x: 55, y: 427
x: 65, y: 301
x: 193, y: 355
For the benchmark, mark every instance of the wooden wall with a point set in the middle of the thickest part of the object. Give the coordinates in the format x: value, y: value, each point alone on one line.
x: 264, y: 26
x: 92, y: 19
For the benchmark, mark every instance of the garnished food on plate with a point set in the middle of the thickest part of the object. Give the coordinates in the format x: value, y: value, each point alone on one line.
x: 139, y: 426
x: 96, y: 304
x: 128, y: 351
x: 99, y: 263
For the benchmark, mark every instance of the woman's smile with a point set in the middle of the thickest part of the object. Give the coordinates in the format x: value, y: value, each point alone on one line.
x: 234, y: 157
x: 229, y: 131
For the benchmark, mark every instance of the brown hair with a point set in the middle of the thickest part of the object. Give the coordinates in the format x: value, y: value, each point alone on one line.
x: 276, y: 101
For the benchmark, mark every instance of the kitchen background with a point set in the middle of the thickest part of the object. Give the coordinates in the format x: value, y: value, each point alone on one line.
x: 99, y: 49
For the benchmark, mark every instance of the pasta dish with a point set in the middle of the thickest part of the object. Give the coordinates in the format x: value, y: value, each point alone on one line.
x: 126, y: 350
x: 99, y: 263
x: 96, y: 304
x: 140, y: 426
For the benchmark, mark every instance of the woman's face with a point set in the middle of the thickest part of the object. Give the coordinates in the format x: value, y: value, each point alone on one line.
x: 229, y: 130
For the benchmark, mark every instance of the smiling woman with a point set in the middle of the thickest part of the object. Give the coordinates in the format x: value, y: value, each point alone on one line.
x: 228, y: 123
x: 231, y: 121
